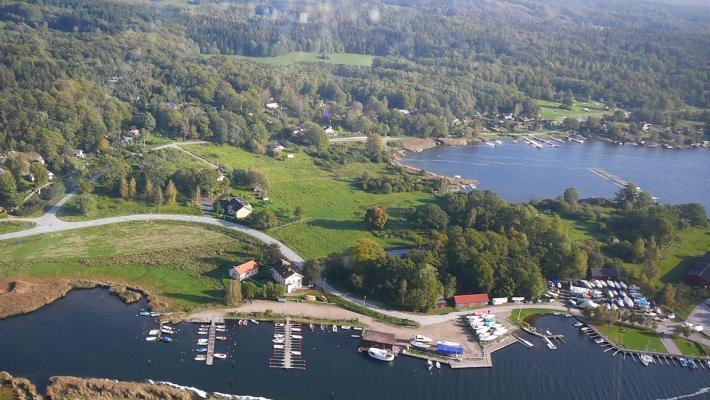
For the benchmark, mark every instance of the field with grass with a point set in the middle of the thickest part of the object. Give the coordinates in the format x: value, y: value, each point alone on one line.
x: 677, y: 261
x: 689, y: 348
x: 633, y: 338
x: 360, y: 60
x: 14, y: 226
x: 183, y: 264
x: 552, y: 111
x: 520, y: 315
x: 111, y: 207
x: 333, y: 208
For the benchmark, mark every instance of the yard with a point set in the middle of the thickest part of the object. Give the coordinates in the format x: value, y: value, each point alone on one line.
x: 552, y: 111
x: 333, y: 208
x: 520, y: 315
x: 632, y: 338
x: 110, y: 207
x: 689, y: 348
x: 183, y: 264
x: 360, y: 60
x: 677, y: 261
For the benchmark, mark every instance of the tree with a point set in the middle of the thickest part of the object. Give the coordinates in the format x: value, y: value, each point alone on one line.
x: 571, y: 198
x: 376, y: 217
x: 171, y: 193
x: 148, y: 190
x: 40, y: 173
x: 132, y: 188
x: 567, y: 100
x: 570, y: 123
x: 375, y: 147
x: 431, y: 216
x: 249, y: 290
x: 103, y: 145
x: 158, y: 198
x: 123, y: 189
x: 314, y: 135
x: 8, y: 190
x: 668, y: 295
x: 273, y: 291
x: 639, y: 250
x: 233, y: 293
x: 365, y: 251
x: 312, y: 271
x: 86, y: 203
x: 298, y: 213
x: 265, y: 219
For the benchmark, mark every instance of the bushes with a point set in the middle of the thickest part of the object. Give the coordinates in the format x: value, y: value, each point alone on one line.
x: 370, y: 313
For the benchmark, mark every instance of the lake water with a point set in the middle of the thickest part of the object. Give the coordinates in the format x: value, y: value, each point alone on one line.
x: 92, y: 334
x: 519, y: 173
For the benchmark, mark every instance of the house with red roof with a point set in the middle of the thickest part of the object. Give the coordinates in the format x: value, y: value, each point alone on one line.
x: 471, y: 300
x: 244, y: 271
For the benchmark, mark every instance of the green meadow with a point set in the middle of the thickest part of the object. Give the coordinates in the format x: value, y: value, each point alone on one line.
x: 359, y: 60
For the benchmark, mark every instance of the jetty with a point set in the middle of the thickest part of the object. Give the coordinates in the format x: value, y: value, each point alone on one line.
x: 288, y: 355
x: 609, y: 176
x: 210, y: 343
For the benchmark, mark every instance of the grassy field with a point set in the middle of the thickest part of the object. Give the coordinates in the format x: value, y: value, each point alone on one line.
x: 552, y: 111
x: 633, y: 338
x: 111, y: 207
x: 676, y: 262
x: 360, y: 60
x: 333, y: 209
x: 518, y: 316
x: 14, y: 226
x: 185, y: 269
x: 689, y: 348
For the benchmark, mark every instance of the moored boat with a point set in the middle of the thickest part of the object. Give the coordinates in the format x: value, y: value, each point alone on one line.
x: 221, y: 356
x: 423, y: 339
x: 151, y: 338
x: 200, y: 357
x: 380, y: 354
x: 420, y: 345
x: 296, y: 337
x: 645, y: 359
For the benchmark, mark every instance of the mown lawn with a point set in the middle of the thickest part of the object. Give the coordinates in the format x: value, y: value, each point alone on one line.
x: 689, y: 348
x: 518, y: 316
x: 360, y: 60
x: 633, y: 338
x: 552, y: 111
x: 14, y: 226
x: 677, y: 261
x: 333, y: 208
x: 183, y: 264
x: 111, y: 207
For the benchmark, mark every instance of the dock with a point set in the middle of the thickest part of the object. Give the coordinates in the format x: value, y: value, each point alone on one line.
x: 290, y: 356
x: 609, y: 176
x: 210, y: 343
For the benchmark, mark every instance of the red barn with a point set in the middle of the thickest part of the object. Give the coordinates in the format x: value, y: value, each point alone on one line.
x: 471, y: 300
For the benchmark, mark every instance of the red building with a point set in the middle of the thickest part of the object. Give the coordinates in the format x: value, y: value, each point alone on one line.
x: 471, y: 300
x: 699, y: 273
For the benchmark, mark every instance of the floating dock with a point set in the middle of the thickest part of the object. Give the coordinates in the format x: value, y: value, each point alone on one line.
x: 210, y: 343
x: 290, y: 356
x: 609, y: 176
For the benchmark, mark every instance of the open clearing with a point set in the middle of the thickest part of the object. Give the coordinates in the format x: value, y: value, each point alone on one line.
x: 552, y: 111
x: 333, y: 208
x: 14, y: 226
x: 676, y: 262
x: 360, y: 60
x: 183, y: 264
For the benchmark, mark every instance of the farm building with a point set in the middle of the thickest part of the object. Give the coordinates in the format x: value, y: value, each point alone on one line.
x: 284, y: 273
x: 699, y: 273
x: 244, y: 271
x: 236, y: 206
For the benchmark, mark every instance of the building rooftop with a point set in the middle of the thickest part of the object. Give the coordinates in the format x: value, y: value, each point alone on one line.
x: 245, y: 268
x: 378, y: 337
x: 471, y: 298
x: 285, y: 269
x: 701, y: 268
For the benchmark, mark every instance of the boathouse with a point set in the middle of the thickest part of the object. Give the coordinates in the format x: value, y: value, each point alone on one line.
x: 699, y: 273
x: 380, y: 340
x: 471, y: 300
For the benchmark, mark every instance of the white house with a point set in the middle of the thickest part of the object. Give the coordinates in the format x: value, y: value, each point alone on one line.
x: 236, y: 206
x: 284, y: 274
x: 244, y: 271
x: 272, y: 105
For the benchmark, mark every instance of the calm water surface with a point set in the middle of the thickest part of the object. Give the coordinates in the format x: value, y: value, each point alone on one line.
x: 90, y: 333
x: 520, y: 173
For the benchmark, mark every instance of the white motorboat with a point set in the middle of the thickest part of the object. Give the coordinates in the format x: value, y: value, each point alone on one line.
x: 423, y: 339
x: 584, y: 328
x: 202, y: 341
x: 278, y: 341
x: 447, y: 343
x: 598, y: 340
x: 335, y: 328
x: 645, y: 359
x: 578, y: 325
x: 380, y: 354
x: 220, y: 355
x: 623, y: 285
x: 438, y: 365
x: 429, y: 365
x: 279, y: 324
x: 547, y: 331
x: 346, y: 327
x: 168, y: 331
x: 200, y: 357
x: 154, y: 332
x: 420, y: 345
x: 296, y: 337
x: 221, y: 338
x: 151, y: 338
x: 295, y: 353
x: 278, y: 346
x: 202, y: 333
x: 255, y: 322
x: 295, y: 329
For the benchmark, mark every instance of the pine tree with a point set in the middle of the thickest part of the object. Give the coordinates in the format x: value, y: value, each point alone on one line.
x: 148, y: 190
x: 132, y: 188
x: 158, y: 198
x: 123, y: 188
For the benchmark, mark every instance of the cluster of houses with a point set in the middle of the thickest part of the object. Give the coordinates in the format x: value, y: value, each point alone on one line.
x: 283, y: 273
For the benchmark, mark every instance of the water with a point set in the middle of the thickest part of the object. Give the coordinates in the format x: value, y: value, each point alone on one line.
x: 519, y: 173
x: 92, y: 334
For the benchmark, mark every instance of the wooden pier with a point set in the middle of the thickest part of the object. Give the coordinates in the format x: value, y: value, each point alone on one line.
x: 210, y: 343
x: 609, y: 176
x: 291, y: 356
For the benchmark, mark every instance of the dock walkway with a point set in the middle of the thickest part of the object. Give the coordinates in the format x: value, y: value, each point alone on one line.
x: 210, y: 343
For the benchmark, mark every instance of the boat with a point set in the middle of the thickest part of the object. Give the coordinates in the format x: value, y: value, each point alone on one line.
x: 151, y: 338
x: 255, y: 322
x: 278, y: 341
x: 168, y: 331
x: 220, y: 330
x: 200, y: 357
x: 357, y: 328
x: 221, y: 356
x: 692, y: 364
x: 355, y: 336
x: 202, y: 332
x: 295, y: 329
x: 240, y: 322
x: 420, y: 345
x: 311, y: 326
x: 144, y: 314
x: 447, y: 343
x: 279, y: 324
x: 154, y: 332
x: 295, y: 353
x: 202, y: 342
x: 296, y: 337
x: 335, y: 328
x: 278, y: 346
x: 346, y: 327
x: 584, y: 328
x: 578, y: 325
x: 380, y: 354
x: 683, y: 362
x: 221, y: 338
x: 547, y: 331
x: 423, y: 339
x: 438, y: 365
x: 645, y: 359
x: 166, y: 339
x: 154, y: 314
x: 623, y: 285
x: 598, y: 340
x: 429, y: 365
x: 201, y: 349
